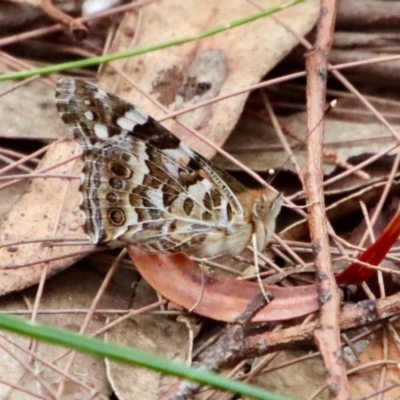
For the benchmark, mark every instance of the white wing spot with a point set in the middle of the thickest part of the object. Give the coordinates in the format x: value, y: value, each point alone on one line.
x: 155, y: 197
x: 101, y: 131
x: 125, y: 123
x: 131, y: 119
x: 100, y: 94
x: 172, y: 168
x: 88, y: 115
x: 86, y: 102
x: 178, y: 155
x: 136, y: 115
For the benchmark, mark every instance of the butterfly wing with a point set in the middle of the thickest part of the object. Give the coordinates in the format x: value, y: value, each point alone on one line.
x: 140, y: 183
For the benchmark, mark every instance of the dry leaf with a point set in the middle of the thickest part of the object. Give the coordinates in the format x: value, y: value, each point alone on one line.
x: 72, y: 290
x: 185, y: 75
x: 367, y: 380
x: 155, y: 334
x: 35, y: 216
x: 295, y: 380
x: 181, y: 281
x: 29, y: 112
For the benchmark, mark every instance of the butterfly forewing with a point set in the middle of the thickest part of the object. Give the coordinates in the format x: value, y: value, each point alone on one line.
x: 142, y: 185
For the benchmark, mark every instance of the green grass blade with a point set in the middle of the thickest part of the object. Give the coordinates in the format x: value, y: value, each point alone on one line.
x: 130, y: 356
x: 134, y: 52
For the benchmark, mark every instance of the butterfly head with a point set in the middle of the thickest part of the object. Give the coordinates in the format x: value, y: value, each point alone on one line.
x: 266, y: 208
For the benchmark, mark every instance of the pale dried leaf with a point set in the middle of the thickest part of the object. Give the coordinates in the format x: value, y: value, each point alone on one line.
x: 185, y: 75
x: 72, y: 290
x: 156, y: 334
x: 34, y: 215
x: 297, y: 381
x: 367, y: 380
x: 29, y: 112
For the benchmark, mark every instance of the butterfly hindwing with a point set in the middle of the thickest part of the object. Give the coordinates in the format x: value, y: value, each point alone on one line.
x: 141, y: 184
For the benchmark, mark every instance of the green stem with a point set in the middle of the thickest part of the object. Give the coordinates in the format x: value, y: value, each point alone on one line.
x: 135, y: 52
x: 130, y: 356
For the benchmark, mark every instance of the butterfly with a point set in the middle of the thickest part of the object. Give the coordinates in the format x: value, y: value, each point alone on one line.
x: 141, y: 185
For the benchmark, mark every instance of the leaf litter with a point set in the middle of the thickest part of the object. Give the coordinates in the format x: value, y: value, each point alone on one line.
x: 242, y: 62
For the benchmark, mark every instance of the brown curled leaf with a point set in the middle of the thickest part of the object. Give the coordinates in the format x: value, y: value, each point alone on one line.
x: 181, y: 281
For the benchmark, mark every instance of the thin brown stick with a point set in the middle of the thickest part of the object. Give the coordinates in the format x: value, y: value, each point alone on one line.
x: 365, y: 312
x: 327, y: 334
x: 77, y: 27
x: 226, y: 351
x: 57, y: 27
